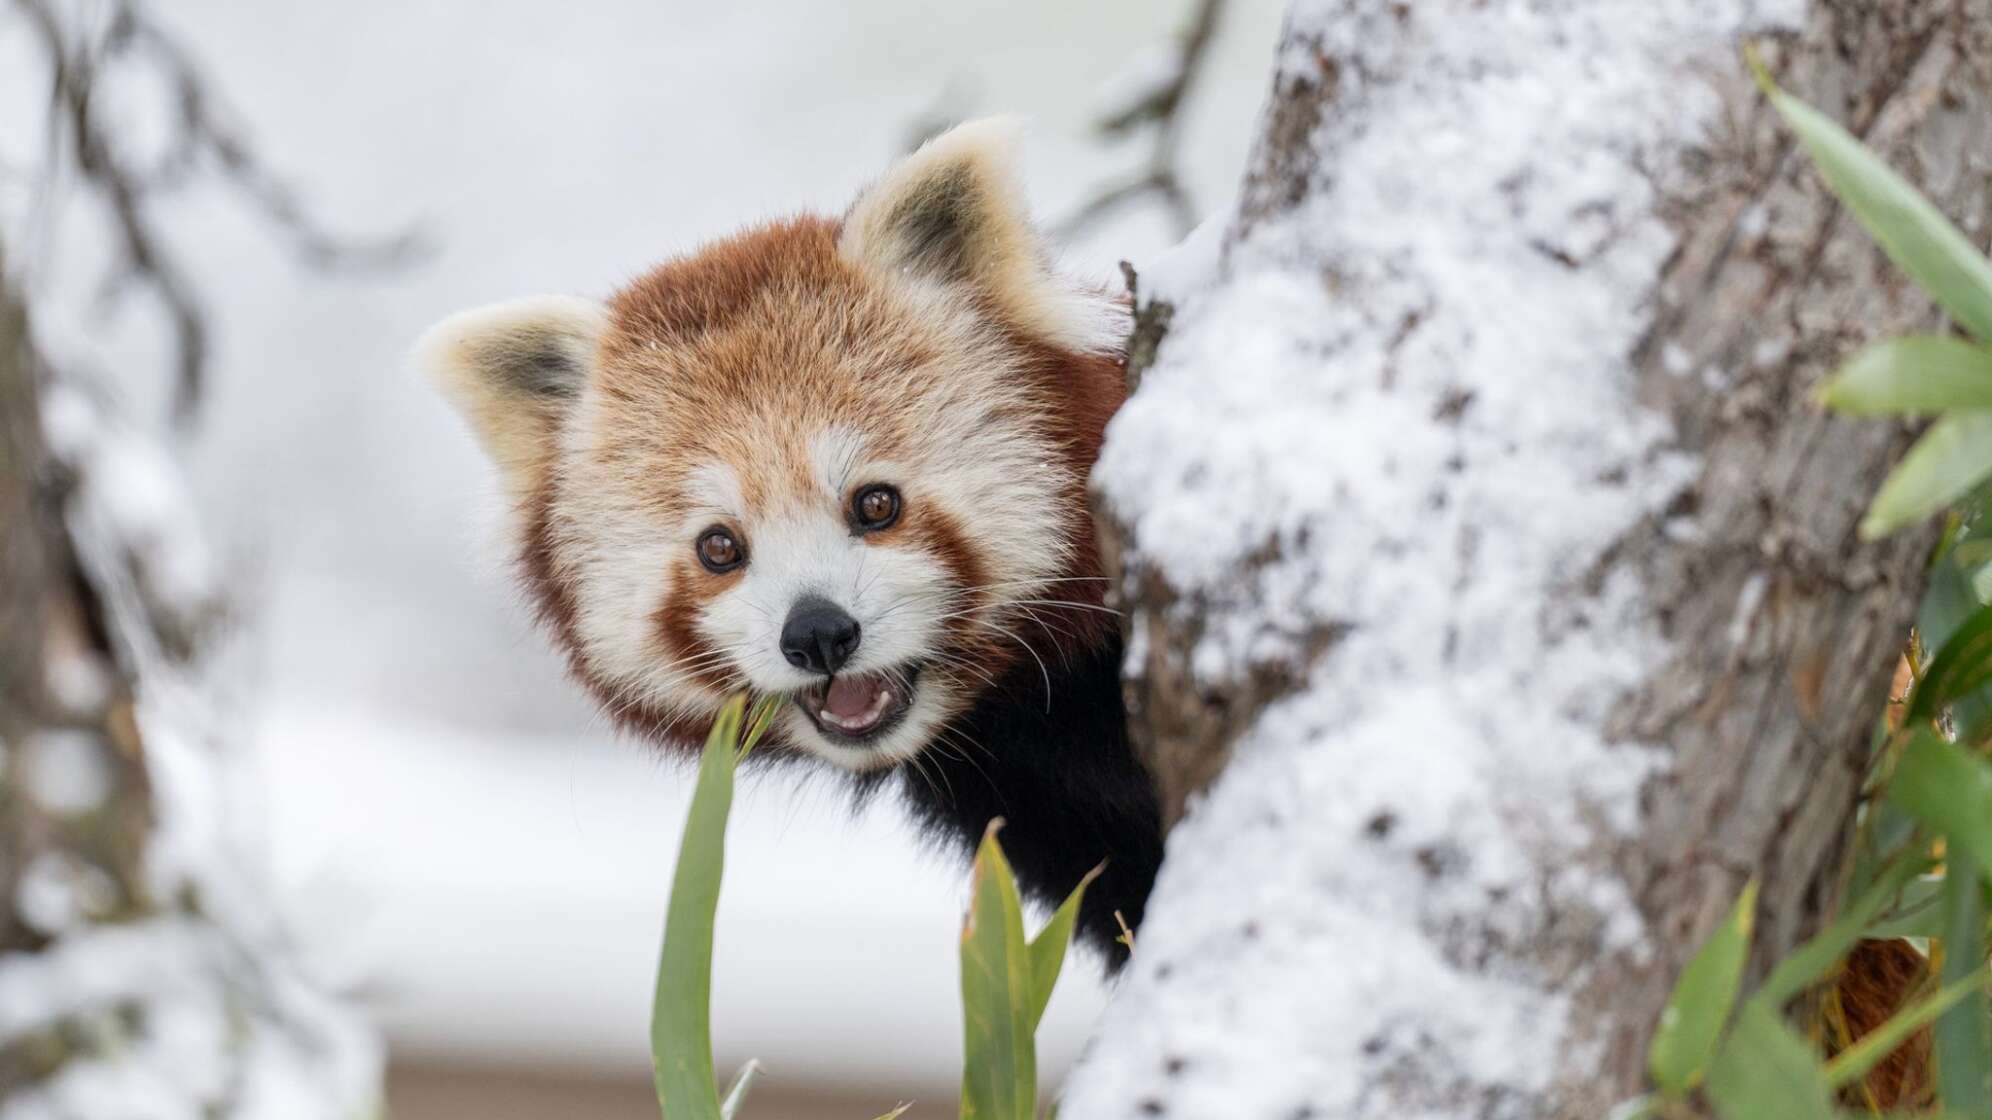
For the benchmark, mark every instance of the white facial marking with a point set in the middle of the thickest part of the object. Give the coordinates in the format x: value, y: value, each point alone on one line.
x: 715, y: 490
x: 965, y: 444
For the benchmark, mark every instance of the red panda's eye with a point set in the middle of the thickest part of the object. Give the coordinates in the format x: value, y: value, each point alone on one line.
x: 719, y: 552
x: 875, y: 507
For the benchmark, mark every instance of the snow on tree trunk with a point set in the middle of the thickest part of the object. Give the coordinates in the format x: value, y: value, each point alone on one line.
x: 1475, y: 522
x: 142, y: 973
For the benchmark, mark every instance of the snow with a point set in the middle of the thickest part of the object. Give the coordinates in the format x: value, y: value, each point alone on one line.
x: 199, y: 1040
x: 201, y: 1006
x: 523, y: 926
x: 56, y: 890
x: 128, y: 494
x: 67, y: 770
x: 433, y: 782
x: 1413, y: 391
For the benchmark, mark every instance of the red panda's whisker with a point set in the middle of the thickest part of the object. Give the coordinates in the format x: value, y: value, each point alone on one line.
x: 1066, y: 603
x: 1001, y: 584
x: 1064, y: 656
x: 697, y: 658
x: 921, y: 770
x: 966, y: 742
x: 860, y: 592
x: 700, y: 655
x: 957, y: 662
x: 910, y: 599
x: 954, y: 750
x: 962, y: 590
x: 1028, y: 648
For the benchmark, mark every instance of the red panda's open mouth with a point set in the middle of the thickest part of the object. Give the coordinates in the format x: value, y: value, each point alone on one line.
x: 856, y: 707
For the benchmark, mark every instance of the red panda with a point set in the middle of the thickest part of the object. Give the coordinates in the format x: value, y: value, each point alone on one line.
x: 843, y: 460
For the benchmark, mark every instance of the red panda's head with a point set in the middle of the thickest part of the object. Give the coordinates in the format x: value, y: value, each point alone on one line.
x: 840, y: 460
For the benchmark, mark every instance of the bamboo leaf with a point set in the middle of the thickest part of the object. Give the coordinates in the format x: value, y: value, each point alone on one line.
x: 1765, y: 1072
x: 1950, y: 458
x: 1950, y: 791
x: 1914, y: 234
x: 1853, y: 1063
x: 1928, y: 373
x: 1962, y: 1038
x: 1920, y: 913
x: 1701, y: 1002
x: 1811, y: 961
x: 1949, y: 601
x: 1961, y: 667
x: 999, y: 1074
x: 1047, y: 949
x: 681, y: 1012
x: 759, y: 719
x: 736, y: 1096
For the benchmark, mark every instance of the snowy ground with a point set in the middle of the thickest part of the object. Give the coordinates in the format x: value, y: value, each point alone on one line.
x: 448, y: 822
x: 510, y: 913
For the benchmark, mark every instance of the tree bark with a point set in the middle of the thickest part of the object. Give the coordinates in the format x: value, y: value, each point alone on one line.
x: 66, y: 722
x: 142, y: 971
x: 1776, y: 628
x: 1771, y: 735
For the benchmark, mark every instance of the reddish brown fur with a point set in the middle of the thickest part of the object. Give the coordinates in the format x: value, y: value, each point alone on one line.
x: 1090, y: 389
x: 691, y: 346
x: 1879, y: 978
x: 554, y: 603
x: 678, y: 640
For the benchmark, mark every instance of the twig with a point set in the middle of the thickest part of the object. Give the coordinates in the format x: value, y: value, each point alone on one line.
x: 78, y: 61
x: 1126, y: 935
x: 1162, y: 108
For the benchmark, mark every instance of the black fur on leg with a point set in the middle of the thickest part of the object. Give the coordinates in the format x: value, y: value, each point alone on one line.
x: 1065, y: 781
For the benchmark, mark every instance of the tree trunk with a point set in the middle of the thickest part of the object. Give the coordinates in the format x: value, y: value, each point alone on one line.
x: 141, y: 970
x: 1531, y: 622
x: 74, y: 807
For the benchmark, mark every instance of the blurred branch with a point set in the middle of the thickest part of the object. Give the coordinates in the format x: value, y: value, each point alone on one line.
x: 1155, y: 100
x: 953, y: 105
x: 78, y: 61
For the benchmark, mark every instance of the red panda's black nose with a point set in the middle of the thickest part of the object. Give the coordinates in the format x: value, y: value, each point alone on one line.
x: 819, y: 636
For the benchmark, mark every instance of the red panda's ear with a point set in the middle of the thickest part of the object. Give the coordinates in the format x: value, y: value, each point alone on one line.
x: 953, y: 213
x: 513, y: 369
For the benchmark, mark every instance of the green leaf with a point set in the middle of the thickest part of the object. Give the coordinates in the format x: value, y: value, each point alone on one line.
x: 1700, y: 1004
x: 737, y: 1094
x: 1950, y: 458
x: 1949, y: 601
x: 1919, y: 913
x: 1853, y: 1063
x: 759, y: 719
x: 1914, y: 234
x: 1912, y: 1114
x: 1048, y: 947
x: 1962, y: 1038
x: 1927, y: 373
x: 1811, y: 961
x: 681, y: 1012
x: 1950, y: 791
x: 1765, y: 1072
x: 1961, y: 667
x: 999, y: 1074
